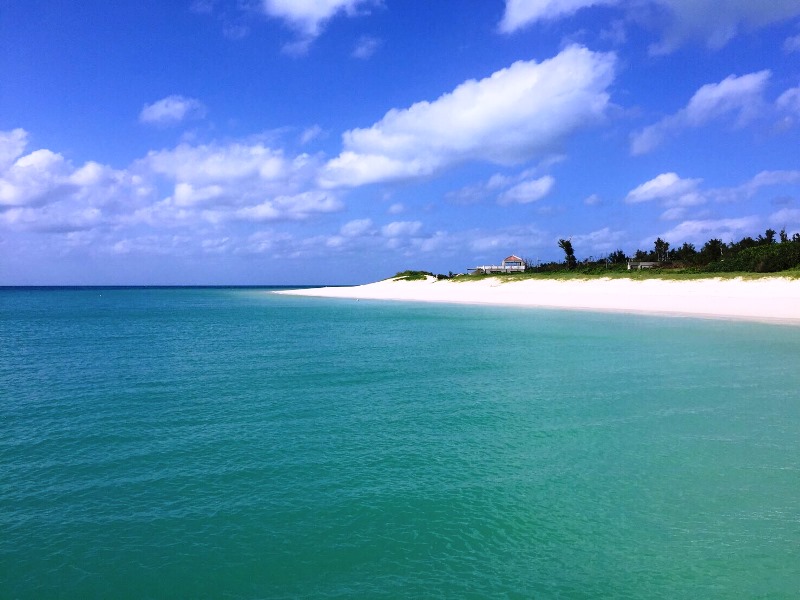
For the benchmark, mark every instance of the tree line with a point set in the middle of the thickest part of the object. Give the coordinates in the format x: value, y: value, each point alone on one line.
x: 770, y: 252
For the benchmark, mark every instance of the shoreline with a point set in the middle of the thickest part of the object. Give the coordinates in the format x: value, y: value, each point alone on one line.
x: 772, y: 300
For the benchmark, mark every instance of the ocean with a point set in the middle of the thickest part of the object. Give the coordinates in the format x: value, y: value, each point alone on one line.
x: 234, y: 443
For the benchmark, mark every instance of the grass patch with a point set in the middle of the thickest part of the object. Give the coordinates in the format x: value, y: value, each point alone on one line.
x: 411, y: 276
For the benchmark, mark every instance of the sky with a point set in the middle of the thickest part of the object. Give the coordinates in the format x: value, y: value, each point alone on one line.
x: 268, y: 142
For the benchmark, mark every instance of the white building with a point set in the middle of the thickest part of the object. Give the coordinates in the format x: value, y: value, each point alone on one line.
x: 511, y: 264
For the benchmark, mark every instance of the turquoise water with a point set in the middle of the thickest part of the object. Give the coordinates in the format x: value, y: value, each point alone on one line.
x: 224, y: 443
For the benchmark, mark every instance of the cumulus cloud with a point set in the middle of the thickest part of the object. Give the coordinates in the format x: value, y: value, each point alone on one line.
x: 786, y: 217
x: 700, y: 231
x: 43, y: 191
x: 12, y: 145
x: 171, y: 111
x: 474, y: 193
x: 792, y: 44
x: 740, y: 97
x: 366, y: 47
x: 34, y: 178
x: 310, y: 134
x: 678, y: 197
x: 356, y: 228
x: 769, y: 178
x: 401, y: 229
x: 520, y: 13
x: 487, y: 244
x: 751, y: 187
x: 593, y: 200
x: 233, y: 181
x: 789, y: 102
x: 180, y: 187
x: 214, y: 162
x: 527, y: 191
x: 670, y: 191
x: 297, y: 207
x: 714, y: 22
x: 308, y: 17
x: 517, y: 113
x: 601, y: 240
x: 667, y: 186
x: 40, y: 187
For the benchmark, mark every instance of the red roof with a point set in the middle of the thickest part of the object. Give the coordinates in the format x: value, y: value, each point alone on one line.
x: 511, y: 258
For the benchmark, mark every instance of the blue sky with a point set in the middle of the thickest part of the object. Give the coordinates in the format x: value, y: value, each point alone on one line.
x: 339, y: 141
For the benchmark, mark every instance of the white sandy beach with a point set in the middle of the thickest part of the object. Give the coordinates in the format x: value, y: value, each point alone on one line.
x: 769, y: 299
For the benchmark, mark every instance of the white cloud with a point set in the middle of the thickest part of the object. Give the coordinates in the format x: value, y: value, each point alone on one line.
x: 665, y: 187
x: 527, y: 191
x: 308, y: 17
x: 401, y: 229
x: 520, y: 13
x: 714, y: 22
x: 751, y: 187
x: 172, y: 110
x: 356, y: 228
x: 789, y: 101
x: 202, y: 7
x: 216, y: 245
x: 180, y: 187
x: 33, y: 178
x: 786, y: 217
x: 593, y: 200
x: 508, y: 240
x: 741, y: 97
x: 469, y: 194
x: 396, y: 208
x: 602, y: 240
x: 519, y: 112
x: 792, y: 44
x: 58, y: 217
x: 297, y: 207
x: 700, y: 231
x: 681, y: 197
x: 89, y: 174
x: 12, y: 145
x: 769, y: 178
x: 232, y: 164
x: 366, y: 47
x: 474, y: 193
x: 310, y: 134
x: 42, y: 190
x: 187, y: 194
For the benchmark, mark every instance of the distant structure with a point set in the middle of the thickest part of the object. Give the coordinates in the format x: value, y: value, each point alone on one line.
x: 511, y: 264
x: 638, y: 265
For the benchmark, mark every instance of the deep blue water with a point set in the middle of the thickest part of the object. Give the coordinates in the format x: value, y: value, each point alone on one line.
x: 233, y: 443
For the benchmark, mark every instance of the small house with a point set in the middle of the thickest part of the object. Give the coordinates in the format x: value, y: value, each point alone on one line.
x: 638, y: 265
x: 511, y: 264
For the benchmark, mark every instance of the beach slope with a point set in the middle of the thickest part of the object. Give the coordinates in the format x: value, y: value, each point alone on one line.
x: 769, y: 299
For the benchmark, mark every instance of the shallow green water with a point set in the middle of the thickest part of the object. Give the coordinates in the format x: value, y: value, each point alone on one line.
x: 163, y: 443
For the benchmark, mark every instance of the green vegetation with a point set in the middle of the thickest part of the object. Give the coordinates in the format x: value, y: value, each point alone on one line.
x: 569, y: 253
x: 764, y: 254
x: 749, y: 258
x: 412, y: 275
